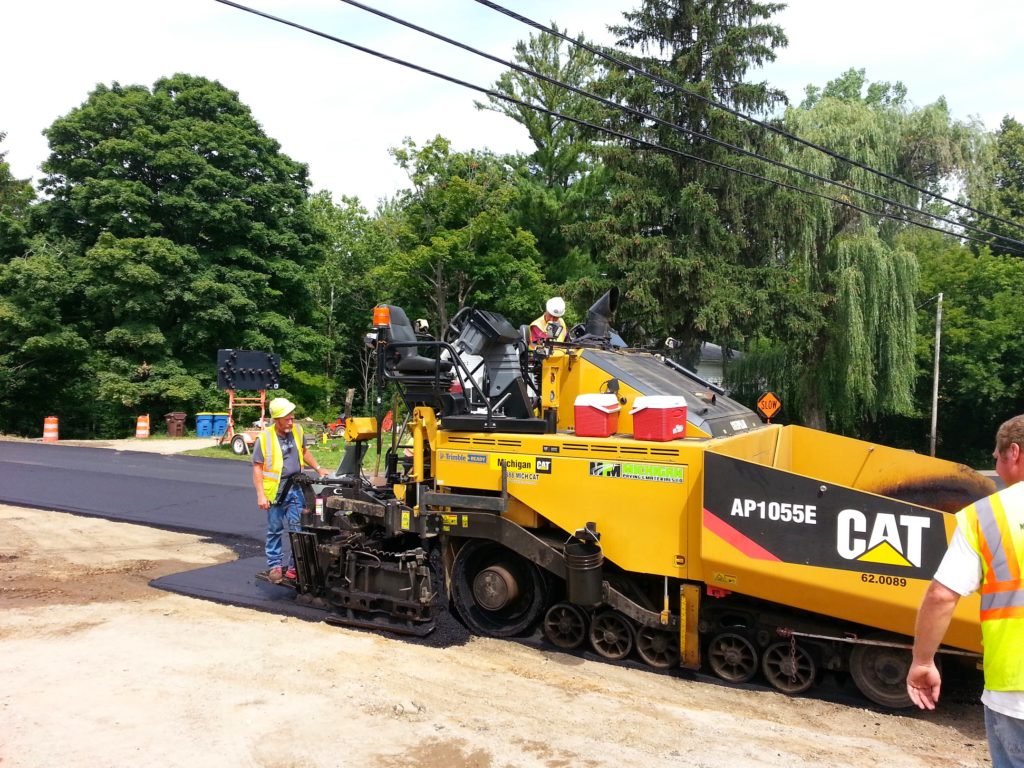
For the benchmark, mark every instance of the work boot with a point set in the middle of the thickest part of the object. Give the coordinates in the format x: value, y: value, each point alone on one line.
x: 290, y: 574
x: 274, y: 575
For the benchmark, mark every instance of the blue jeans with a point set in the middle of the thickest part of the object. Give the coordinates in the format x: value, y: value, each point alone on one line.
x: 288, y: 509
x: 1005, y: 739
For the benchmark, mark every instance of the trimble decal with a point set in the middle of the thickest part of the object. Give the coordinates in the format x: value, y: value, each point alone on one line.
x: 468, y: 458
x: 656, y: 473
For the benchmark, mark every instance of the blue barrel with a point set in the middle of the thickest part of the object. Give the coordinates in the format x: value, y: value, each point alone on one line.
x: 220, y: 424
x: 204, y: 425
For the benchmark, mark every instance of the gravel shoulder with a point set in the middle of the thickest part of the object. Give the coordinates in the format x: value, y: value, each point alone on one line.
x: 167, y: 446
x: 98, y: 668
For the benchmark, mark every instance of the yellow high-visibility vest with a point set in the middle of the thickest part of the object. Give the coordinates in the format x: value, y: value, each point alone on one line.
x: 273, y: 459
x: 539, y: 323
x: 994, y: 528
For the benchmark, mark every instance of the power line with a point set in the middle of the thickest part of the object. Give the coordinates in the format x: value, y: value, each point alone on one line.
x: 674, y: 126
x: 761, y: 123
x: 584, y: 123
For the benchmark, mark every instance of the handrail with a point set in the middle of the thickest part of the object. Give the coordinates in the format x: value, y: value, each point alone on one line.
x: 456, y: 360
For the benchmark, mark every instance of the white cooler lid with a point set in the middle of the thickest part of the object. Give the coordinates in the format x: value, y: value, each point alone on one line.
x: 658, y: 401
x: 606, y: 402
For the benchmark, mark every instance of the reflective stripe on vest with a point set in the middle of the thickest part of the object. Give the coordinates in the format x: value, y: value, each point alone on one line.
x: 994, y: 528
x: 1001, y: 593
x: 273, y: 459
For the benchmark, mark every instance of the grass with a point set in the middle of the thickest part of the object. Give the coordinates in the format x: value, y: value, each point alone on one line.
x: 327, y: 456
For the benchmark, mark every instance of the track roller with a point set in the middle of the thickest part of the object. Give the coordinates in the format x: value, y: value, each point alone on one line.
x: 732, y: 657
x: 657, y: 647
x: 789, y: 667
x: 611, y: 635
x: 565, y: 625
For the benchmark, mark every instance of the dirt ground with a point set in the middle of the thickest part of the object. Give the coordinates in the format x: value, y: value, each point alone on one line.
x: 99, y: 669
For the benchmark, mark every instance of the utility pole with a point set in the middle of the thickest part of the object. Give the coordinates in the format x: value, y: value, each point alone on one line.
x: 935, y: 375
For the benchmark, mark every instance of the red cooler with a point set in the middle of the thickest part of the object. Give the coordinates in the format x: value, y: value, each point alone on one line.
x: 659, y: 417
x: 597, y: 415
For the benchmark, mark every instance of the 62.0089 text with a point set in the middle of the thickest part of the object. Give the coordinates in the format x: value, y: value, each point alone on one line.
x: 891, y: 581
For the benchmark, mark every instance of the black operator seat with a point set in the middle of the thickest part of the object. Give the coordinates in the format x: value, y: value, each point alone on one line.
x: 407, y: 360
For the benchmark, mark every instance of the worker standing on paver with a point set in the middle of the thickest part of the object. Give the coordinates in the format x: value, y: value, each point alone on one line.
x: 278, y: 454
x: 550, y: 325
x: 986, y: 554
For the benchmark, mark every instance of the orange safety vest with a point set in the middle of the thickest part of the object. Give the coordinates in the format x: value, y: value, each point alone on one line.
x: 994, y: 528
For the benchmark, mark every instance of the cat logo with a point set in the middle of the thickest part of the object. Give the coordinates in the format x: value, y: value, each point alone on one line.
x: 893, y: 539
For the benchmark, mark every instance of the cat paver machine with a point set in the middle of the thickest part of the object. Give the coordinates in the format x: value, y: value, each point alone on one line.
x: 744, y: 548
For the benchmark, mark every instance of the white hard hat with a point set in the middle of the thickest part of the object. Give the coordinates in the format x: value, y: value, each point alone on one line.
x: 556, y: 306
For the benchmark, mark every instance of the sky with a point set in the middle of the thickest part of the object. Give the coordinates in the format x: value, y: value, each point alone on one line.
x: 340, y: 111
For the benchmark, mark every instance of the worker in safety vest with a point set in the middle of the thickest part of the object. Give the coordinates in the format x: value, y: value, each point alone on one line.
x: 550, y: 325
x: 986, y: 554
x: 278, y: 454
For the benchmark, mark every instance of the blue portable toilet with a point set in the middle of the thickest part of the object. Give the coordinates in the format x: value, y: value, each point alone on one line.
x: 204, y: 424
x: 220, y: 424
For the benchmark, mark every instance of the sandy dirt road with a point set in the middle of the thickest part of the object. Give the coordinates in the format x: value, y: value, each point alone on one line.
x: 99, y: 669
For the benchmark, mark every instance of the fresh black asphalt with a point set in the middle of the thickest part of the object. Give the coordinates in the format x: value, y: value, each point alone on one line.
x: 179, y: 493
x: 203, y: 496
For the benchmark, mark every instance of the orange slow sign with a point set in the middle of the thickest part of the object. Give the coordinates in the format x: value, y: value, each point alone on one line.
x: 768, y: 404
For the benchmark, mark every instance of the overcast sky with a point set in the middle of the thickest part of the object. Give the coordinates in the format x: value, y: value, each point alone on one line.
x: 339, y: 111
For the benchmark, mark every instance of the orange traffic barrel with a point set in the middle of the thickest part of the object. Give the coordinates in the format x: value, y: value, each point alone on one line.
x: 50, y: 429
x: 142, y: 426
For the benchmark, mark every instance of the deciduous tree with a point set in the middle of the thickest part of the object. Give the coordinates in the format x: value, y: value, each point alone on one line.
x: 458, y: 240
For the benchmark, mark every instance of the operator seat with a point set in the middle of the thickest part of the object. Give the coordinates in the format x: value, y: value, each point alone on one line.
x: 407, y: 360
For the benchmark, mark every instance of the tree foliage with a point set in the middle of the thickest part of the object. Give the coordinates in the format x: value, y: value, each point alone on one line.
x: 981, y: 355
x: 999, y: 188
x: 561, y: 182
x: 458, y: 242
x: 15, y: 197
x: 857, y: 362
x: 352, y: 246
x: 173, y: 226
x: 690, y: 242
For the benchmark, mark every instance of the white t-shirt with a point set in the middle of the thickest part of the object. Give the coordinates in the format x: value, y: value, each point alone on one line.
x: 960, y: 571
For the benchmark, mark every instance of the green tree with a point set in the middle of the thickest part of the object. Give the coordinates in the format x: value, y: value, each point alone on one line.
x: 352, y: 246
x: 562, y: 147
x: 690, y: 244
x: 182, y: 229
x: 982, y: 359
x: 561, y: 180
x: 999, y: 188
x: 41, y: 357
x: 857, y: 363
x: 15, y: 197
x: 458, y: 241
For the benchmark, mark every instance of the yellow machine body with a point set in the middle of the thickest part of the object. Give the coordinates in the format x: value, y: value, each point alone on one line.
x: 797, y: 517
x: 360, y: 428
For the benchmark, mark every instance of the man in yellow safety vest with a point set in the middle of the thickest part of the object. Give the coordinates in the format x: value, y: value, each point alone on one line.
x: 278, y: 454
x: 986, y: 554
